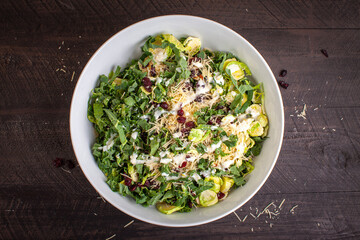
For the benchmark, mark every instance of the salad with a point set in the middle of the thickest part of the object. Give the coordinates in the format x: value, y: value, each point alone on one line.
x: 179, y: 127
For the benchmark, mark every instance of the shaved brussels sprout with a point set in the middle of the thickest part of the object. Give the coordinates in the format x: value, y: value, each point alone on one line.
x: 255, y: 110
x: 230, y: 96
x: 227, y: 184
x: 217, y: 183
x: 117, y: 81
x: 167, y: 208
x: 256, y: 129
x: 235, y: 70
x: 256, y: 97
x: 144, y: 90
x: 244, y: 99
x: 192, y: 45
x: 160, y: 54
x: 196, y: 135
x: 266, y: 129
x: 208, y: 198
x: 171, y: 39
x: 228, y: 61
x: 263, y: 120
x: 133, y: 173
x: 250, y: 143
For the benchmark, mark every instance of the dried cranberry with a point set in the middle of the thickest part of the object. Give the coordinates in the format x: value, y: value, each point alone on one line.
x: 147, y: 183
x: 187, y: 86
x: 192, y: 73
x: 220, y: 107
x: 198, y: 99
x: 210, y: 123
x: 190, y: 204
x: 323, y: 51
x: 220, y: 195
x: 132, y: 187
x: 146, y: 81
x: 155, y: 186
x: 164, y: 105
x: 185, y: 130
x: 194, y: 59
x: 218, y: 120
x: 283, y: 73
x: 283, y: 84
x: 155, y: 104
x: 148, y: 88
x: 181, y: 119
x: 58, y: 162
x: 190, y: 124
x: 183, y: 164
x: 152, y: 71
x: 127, y: 181
x: 70, y: 164
x: 180, y: 112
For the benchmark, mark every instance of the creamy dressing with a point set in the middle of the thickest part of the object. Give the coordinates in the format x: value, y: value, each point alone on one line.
x: 177, y: 135
x: 197, y: 64
x: 227, y: 120
x: 196, y: 177
x: 219, y: 79
x: 191, y: 159
x: 160, y: 55
x: 244, y: 125
x: 227, y: 164
x: 158, y: 113
x: 254, y: 113
x: 167, y: 177
x: 109, y: 143
x: 165, y: 160
x: 134, y: 135
x: 214, y: 146
x: 233, y: 68
x: 179, y: 159
x: 159, y: 80
x: 134, y: 161
x: 205, y: 173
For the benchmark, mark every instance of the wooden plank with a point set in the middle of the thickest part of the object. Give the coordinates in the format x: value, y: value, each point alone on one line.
x: 35, y: 212
x: 40, y: 66
x: 317, y: 168
x: 102, y: 15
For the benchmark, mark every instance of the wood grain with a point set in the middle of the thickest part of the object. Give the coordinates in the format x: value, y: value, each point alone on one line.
x: 44, y: 43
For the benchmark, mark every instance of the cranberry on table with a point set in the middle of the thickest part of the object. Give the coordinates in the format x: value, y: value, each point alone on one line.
x: 283, y: 84
x: 164, y: 105
x: 190, y: 124
x: 181, y: 119
x: 58, y: 162
x: 282, y: 73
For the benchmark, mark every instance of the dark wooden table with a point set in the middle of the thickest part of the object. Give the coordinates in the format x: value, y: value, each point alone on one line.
x: 44, y: 43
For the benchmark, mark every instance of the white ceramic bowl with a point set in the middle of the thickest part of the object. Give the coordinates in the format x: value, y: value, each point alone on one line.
x: 125, y: 46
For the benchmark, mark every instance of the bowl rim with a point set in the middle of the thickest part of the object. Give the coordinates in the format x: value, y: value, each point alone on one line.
x: 282, y: 118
